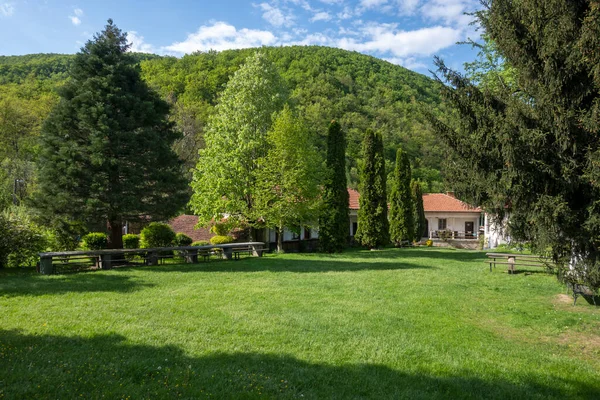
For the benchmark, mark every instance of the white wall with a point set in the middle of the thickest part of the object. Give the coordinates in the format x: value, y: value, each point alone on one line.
x: 454, y: 221
x: 495, y: 233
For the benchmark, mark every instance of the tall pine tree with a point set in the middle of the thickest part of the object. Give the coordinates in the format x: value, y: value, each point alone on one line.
x: 402, y: 224
x: 531, y: 149
x: 373, y: 226
x: 419, y: 210
x: 106, y: 152
x: 334, y: 223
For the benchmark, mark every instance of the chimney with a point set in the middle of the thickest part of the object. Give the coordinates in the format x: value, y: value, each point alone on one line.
x: 451, y: 194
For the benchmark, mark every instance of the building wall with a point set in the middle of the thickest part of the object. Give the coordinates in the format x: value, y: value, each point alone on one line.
x: 495, y: 233
x: 454, y: 221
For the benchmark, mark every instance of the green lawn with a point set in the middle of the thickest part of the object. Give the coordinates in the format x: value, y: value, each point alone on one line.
x: 398, y: 323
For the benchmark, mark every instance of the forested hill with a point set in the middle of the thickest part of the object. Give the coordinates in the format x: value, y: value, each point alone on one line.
x: 325, y: 83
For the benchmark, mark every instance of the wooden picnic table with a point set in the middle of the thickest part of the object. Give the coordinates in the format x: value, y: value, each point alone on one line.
x: 512, y: 260
x: 104, y: 258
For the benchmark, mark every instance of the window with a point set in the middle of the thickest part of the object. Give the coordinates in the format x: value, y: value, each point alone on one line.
x: 306, y: 233
x: 442, y: 224
x: 354, y: 228
x: 296, y: 233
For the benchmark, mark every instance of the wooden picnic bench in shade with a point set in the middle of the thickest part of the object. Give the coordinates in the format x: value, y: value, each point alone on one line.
x: 105, y: 259
x: 512, y: 260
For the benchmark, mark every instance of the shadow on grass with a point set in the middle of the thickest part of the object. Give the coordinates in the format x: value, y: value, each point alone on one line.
x: 45, y: 366
x: 37, y: 285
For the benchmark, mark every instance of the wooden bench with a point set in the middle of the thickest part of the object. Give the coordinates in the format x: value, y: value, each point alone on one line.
x: 250, y: 250
x: 512, y: 260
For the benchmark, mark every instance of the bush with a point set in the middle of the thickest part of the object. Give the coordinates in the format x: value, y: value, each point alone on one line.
x: 429, y: 243
x: 94, y: 241
x: 220, y: 239
x: 201, y: 243
x: 181, y: 239
x: 20, y: 239
x: 157, y: 235
x: 131, y: 241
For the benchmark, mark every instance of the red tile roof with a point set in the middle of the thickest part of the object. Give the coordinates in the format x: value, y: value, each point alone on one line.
x: 186, y: 223
x: 446, y: 203
x: 353, y: 199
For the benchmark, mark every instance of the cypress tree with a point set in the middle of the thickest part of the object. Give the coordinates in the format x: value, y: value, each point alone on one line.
x: 373, y: 226
x: 106, y: 154
x: 334, y: 223
x: 530, y: 149
x: 402, y: 225
x: 419, y: 211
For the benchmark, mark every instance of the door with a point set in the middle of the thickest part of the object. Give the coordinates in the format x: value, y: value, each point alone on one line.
x: 469, y: 230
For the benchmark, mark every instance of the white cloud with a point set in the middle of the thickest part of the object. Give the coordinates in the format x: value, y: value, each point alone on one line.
x: 222, y: 36
x: 372, y: 3
x: 345, y: 14
x: 7, y: 9
x: 321, y: 16
x: 275, y: 16
x: 384, y: 39
x: 75, y: 20
x: 410, y: 63
x: 449, y: 11
x: 137, y: 43
x: 408, y: 6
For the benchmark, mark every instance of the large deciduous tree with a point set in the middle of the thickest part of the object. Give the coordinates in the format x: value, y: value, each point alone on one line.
x: 402, y: 224
x: 288, y: 177
x: 334, y: 224
x: 106, y: 147
x: 373, y: 225
x: 225, y: 178
x: 532, y: 149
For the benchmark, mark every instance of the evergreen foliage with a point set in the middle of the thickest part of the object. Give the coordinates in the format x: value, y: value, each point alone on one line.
x: 419, y: 211
x: 333, y: 221
x: 181, y: 239
x: 289, y: 176
x: 402, y: 224
x: 106, y: 147
x: 225, y: 178
x: 531, y: 150
x: 373, y: 225
x: 94, y: 241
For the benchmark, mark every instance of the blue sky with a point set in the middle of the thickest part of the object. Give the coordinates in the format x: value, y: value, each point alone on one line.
x: 404, y: 32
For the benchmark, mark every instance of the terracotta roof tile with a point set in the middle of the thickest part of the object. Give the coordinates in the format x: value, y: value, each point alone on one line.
x: 353, y: 199
x: 446, y: 202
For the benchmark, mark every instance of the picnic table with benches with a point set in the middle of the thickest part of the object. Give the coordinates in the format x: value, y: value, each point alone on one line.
x: 105, y: 259
x: 512, y: 260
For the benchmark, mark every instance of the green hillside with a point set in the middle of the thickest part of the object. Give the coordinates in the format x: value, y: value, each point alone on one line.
x: 325, y: 83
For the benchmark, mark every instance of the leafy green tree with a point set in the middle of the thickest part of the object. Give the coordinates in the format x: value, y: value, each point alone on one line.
x: 106, y: 147
x: 225, y: 178
x: 419, y: 210
x: 334, y: 223
x: 531, y: 151
x: 289, y: 177
x: 402, y: 224
x: 373, y: 225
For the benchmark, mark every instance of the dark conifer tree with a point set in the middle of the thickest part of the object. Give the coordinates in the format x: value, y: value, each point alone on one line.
x: 530, y: 149
x: 419, y: 211
x: 402, y: 225
x: 106, y: 152
x: 373, y: 225
x: 334, y: 228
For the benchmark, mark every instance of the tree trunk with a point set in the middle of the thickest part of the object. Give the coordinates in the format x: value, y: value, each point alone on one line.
x: 115, y: 229
x: 280, y: 239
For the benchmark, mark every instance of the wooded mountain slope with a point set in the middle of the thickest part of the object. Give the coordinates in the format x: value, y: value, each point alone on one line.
x: 324, y: 83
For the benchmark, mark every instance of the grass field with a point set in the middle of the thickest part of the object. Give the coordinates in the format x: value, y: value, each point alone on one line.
x: 397, y: 323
